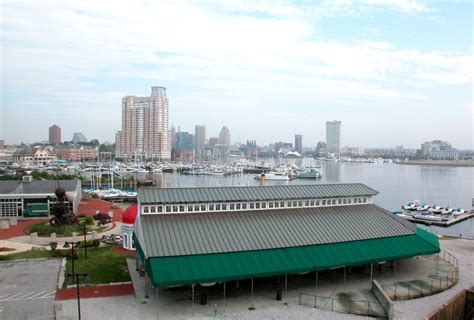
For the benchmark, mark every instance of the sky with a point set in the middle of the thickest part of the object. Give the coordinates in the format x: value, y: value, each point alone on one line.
x: 395, y: 72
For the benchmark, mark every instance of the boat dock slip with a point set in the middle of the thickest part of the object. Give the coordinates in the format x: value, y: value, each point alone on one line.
x: 448, y: 223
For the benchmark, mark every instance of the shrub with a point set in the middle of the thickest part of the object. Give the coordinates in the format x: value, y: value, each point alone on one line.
x: 89, y: 221
x: 53, y: 246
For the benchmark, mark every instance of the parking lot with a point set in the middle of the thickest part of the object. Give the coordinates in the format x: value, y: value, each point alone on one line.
x: 28, y: 288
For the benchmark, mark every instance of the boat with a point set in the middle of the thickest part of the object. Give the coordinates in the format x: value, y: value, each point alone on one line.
x: 429, y: 217
x: 274, y: 175
x: 424, y: 207
x: 436, y: 209
x: 412, y: 206
x: 447, y: 210
x: 311, y: 173
x: 458, y: 212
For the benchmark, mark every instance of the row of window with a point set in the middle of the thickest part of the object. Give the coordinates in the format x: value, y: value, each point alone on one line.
x: 182, y: 208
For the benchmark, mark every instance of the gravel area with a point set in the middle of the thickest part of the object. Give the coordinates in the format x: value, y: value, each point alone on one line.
x: 463, y: 250
x: 114, y: 308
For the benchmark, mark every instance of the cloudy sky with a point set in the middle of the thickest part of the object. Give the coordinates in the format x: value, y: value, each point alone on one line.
x: 393, y: 71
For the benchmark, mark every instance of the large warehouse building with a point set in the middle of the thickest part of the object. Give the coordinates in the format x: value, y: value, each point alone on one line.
x: 189, y: 236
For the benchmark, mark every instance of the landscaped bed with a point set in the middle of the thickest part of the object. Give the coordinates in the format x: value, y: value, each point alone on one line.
x: 103, y: 265
x: 44, y: 229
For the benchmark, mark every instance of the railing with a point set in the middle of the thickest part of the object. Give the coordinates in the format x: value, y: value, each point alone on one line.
x: 420, y: 288
x: 356, y: 307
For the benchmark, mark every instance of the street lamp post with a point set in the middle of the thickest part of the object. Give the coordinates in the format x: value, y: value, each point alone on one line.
x: 85, y: 241
x: 85, y: 278
x: 72, y: 245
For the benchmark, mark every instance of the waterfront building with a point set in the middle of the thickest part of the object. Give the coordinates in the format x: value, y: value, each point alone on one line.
x: 30, y: 155
x: 144, y: 133
x: 191, y: 236
x: 200, y: 137
x: 54, y: 134
x: 438, y: 149
x: 31, y: 198
x: 333, y: 138
x: 299, y: 143
x: 74, y: 153
x: 78, y: 137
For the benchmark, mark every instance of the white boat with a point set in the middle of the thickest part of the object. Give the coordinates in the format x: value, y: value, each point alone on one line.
x: 447, y: 210
x: 436, y: 209
x: 424, y: 207
x: 311, y: 173
x: 458, y: 212
x: 412, y: 206
x: 282, y: 176
x: 428, y: 217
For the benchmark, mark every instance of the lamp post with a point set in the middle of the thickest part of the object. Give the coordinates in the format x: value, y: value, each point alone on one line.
x: 85, y: 278
x: 72, y: 245
x: 85, y: 240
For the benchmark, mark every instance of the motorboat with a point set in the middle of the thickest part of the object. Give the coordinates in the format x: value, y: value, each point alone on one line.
x: 274, y: 175
x: 311, y: 173
x: 436, y: 209
x: 447, y: 210
x: 458, y: 212
x: 424, y: 207
x: 412, y: 206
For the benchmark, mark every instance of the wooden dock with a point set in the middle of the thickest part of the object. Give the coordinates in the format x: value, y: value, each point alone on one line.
x: 443, y: 224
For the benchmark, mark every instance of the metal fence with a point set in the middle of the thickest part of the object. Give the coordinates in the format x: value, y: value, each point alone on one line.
x: 436, y: 283
x: 356, y: 307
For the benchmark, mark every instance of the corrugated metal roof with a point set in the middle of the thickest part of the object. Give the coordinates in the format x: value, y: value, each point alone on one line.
x: 205, y: 268
x: 36, y: 186
x: 214, y: 194
x: 218, y: 232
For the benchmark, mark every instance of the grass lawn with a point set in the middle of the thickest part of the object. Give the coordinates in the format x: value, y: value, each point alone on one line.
x: 44, y: 229
x: 103, y: 265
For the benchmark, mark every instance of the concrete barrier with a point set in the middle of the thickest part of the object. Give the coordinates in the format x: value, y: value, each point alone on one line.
x: 74, y: 237
x: 34, y: 238
x: 4, y: 224
x: 13, y: 221
x: 383, y: 298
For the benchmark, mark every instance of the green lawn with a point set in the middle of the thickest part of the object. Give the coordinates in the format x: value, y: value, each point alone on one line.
x: 104, y: 265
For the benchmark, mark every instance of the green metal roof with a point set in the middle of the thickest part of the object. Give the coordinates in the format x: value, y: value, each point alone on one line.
x: 218, y: 232
x: 228, y: 194
x: 182, y: 270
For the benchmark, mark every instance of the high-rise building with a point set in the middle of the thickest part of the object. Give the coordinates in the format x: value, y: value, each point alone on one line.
x: 55, y: 134
x: 200, y: 136
x: 224, y: 136
x: 333, y: 138
x: 78, y: 137
x: 144, y: 133
x: 299, y: 143
x: 320, y: 149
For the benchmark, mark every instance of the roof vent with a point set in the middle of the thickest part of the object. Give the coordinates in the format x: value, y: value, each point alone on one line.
x: 27, y: 178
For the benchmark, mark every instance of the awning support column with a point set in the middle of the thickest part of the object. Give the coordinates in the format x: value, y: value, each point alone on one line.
x: 317, y: 276
x: 147, y: 285
x: 344, y: 275
x: 251, y: 297
x: 192, y: 297
x: 286, y: 289
x: 224, y: 296
x: 371, y: 272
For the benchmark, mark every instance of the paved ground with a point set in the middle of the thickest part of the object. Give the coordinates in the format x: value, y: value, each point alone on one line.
x: 115, y: 308
x: 28, y: 288
x: 19, y: 229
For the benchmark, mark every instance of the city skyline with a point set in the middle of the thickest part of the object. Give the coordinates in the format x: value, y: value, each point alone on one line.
x: 378, y: 66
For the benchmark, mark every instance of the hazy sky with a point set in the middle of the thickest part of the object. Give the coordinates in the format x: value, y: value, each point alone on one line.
x: 393, y: 71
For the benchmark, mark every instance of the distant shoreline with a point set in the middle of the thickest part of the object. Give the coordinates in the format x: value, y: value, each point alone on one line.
x: 448, y: 163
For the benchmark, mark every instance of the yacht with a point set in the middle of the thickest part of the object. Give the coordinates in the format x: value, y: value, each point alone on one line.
x: 311, y: 173
x: 273, y: 175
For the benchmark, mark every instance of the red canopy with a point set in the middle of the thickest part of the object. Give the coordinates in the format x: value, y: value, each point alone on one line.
x: 130, y: 214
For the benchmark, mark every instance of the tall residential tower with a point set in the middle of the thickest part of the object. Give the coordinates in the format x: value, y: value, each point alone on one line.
x: 144, y: 133
x: 55, y: 134
x: 200, y: 136
x: 299, y: 143
x: 333, y: 138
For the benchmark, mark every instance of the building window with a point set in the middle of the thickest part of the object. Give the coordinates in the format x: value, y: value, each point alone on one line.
x: 252, y: 205
x: 190, y: 208
x: 300, y: 203
x: 288, y: 205
x: 324, y: 202
x: 306, y: 203
x: 282, y: 204
x: 349, y: 201
x: 355, y: 200
x: 203, y: 207
x: 168, y: 208
x: 218, y: 207
x: 344, y: 201
x: 270, y: 205
x: 295, y: 203
x: 257, y: 205
x: 317, y: 202
x: 196, y: 207
x: 181, y: 208
x: 277, y: 204
x: 231, y: 206
x: 159, y: 209
x: 364, y: 200
x: 145, y: 209
x: 339, y: 201
x: 175, y: 208
x: 237, y: 206
x: 211, y: 207
x: 264, y: 205
x: 333, y: 201
x: 224, y: 206
x: 244, y: 206
x: 152, y: 209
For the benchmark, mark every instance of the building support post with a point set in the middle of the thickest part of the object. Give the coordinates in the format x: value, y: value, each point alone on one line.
x: 317, y: 275
x: 224, y: 297
x: 251, y: 297
x: 147, y: 286
x: 371, y: 272
x: 192, y: 297
x: 136, y: 260
x: 286, y: 288
x: 344, y: 275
